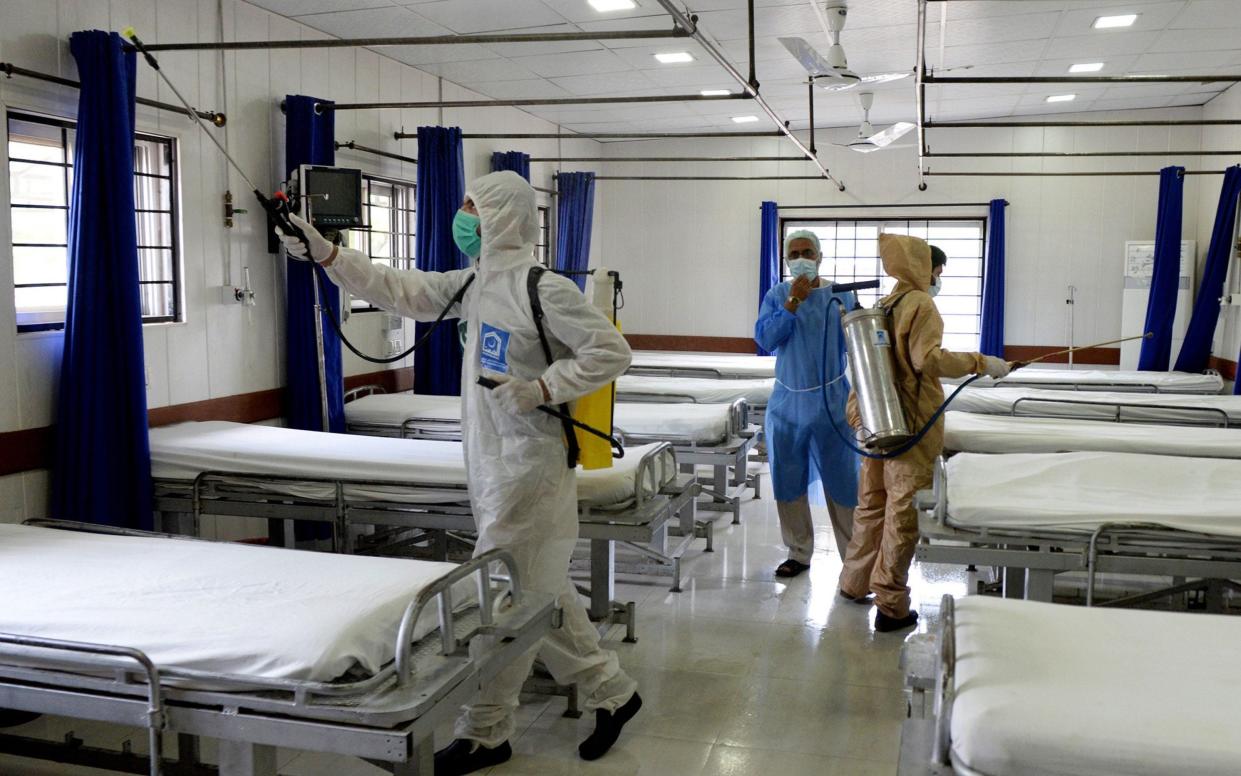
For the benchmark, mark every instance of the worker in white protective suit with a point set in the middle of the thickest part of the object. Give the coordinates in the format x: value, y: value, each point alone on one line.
x: 523, y: 493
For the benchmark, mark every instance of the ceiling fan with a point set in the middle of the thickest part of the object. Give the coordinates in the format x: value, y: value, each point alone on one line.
x: 832, y: 70
x: 868, y: 139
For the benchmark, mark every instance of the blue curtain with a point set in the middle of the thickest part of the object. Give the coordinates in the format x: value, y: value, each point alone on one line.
x: 991, y: 336
x: 1196, y: 351
x: 1165, y: 278
x: 574, y: 218
x: 441, y: 188
x: 309, y: 138
x: 768, y: 256
x: 102, y: 466
x: 511, y: 160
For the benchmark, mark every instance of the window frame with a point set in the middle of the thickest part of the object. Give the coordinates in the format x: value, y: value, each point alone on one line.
x: 171, y: 147
x: 543, y: 245
x: 793, y: 223
x: 407, y: 262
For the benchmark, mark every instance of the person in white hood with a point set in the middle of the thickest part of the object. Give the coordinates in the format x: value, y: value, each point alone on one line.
x: 523, y: 493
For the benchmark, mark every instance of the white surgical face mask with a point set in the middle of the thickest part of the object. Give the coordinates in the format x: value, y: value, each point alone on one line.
x: 935, y: 287
x: 804, y: 268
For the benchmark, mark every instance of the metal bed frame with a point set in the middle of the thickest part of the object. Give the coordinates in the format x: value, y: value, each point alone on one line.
x: 728, y: 458
x: 387, y: 718
x: 1031, y: 559
x: 1017, y: 382
x: 926, y: 743
x: 756, y: 414
x: 642, y: 526
x: 1206, y: 416
x: 704, y: 372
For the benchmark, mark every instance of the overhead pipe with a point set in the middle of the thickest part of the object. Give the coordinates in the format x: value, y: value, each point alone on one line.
x: 810, y: 98
x: 10, y: 70
x: 920, y: 92
x: 709, y: 177
x: 597, y: 135
x: 689, y: 24
x: 1023, y: 154
x: 610, y: 159
x: 1099, y: 173
x: 753, y: 71
x: 322, y: 106
x: 1078, y: 123
x: 425, y: 40
x: 884, y: 206
x: 1078, y: 79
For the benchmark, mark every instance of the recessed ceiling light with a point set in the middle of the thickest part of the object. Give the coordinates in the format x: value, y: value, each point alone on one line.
x: 604, y: 6
x: 744, y: 119
x: 1062, y: 98
x: 675, y: 57
x: 1109, y: 22
x: 715, y: 92
x: 1087, y: 67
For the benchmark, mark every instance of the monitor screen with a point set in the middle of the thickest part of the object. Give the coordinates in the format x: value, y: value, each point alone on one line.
x: 335, y: 196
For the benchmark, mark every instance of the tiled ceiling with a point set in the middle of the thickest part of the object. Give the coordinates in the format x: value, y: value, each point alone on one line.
x: 980, y: 37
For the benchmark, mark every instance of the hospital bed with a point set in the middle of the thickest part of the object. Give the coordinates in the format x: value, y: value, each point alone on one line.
x: 257, y: 647
x: 695, y: 390
x: 718, y: 366
x: 350, y: 481
x: 1038, y: 514
x: 1014, y: 688
x: 1101, y: 380
x: 1178, y: 410
x: 971, y: 433
x: 715, y: 435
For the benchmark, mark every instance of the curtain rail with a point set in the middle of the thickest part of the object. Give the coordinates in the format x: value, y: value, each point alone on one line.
x: 1076, y: 79
x: 608, y: 159
x: 1068, y: 123
x: 648, y: 98
x: 884, y: 206
x: 352, y: 146
x: 1097, y: 173
x: 10, y: 70
x: 1079, y: 154
x: 600, y: 135
x: 426, y: 40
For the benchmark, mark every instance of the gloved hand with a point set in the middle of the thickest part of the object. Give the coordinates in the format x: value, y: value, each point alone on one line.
x: 518, y: 397
x: 320, y: 248
x: 995, y: 367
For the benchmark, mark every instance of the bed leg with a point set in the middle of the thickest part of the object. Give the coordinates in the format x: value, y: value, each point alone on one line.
x: 1214, y: 596
x: 602, y: 580
x: 1040, y: 585
x: 1014, y: 582
x: 242, y: 758
x: 421, y: 761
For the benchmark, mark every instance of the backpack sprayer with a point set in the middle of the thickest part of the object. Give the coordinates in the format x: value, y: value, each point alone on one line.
x: 868, y: 341
x: 278, y: 207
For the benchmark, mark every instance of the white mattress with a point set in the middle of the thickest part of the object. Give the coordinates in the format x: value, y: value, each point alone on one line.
x: 226, y: 608
x: 1053, y: 690
x: 971, y: 433
x: 999, y: 401
x: 1081, y: 491
x: 701, y: 423
x: 725, y: 364
x: 1099, y: 379
x: 184, y: 451
x: 699, y: 390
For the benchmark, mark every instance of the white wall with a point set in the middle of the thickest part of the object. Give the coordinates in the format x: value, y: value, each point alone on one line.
x: 219, y: 350
x: 1225, y: 106
x: 688, y: 251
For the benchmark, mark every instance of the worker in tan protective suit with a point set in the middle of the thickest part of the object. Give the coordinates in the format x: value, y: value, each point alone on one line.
x: 885, y: 523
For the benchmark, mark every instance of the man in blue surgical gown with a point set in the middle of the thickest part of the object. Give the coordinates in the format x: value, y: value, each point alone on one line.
x: 802, y: 445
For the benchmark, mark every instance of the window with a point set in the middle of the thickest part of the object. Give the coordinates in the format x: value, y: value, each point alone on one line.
x: 389, y: 211
x: 40, y: 179
x: 542, y: 249
x: 851, y: 253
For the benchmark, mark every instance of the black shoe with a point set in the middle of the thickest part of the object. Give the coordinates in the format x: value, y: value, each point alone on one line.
x: 886, y: 624
x: 866, y: 599
x: 608, y: 726
x: 791, y: 568
x: 465, y: 756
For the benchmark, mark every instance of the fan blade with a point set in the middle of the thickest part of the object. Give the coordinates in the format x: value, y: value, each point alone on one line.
x: 883, y: 78
x: 834, y: 85
x: 809, y: 58
x: 892, y: 133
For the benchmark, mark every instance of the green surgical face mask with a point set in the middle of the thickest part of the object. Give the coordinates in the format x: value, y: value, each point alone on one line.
x: 465, y: 233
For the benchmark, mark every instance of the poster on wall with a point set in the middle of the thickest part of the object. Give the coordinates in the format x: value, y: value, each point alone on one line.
x: 1139, y: 268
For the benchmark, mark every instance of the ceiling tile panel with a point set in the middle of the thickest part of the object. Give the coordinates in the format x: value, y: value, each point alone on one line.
x: 303, y: 7
x: 625, y: 82
x: 467, y: 16
x: 532, y: 89
x: 1208, y: 15
x: 576, y: 63
x: 1093, y: 48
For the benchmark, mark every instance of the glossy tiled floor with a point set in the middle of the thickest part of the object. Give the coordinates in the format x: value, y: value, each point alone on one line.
x: 739, y: 673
